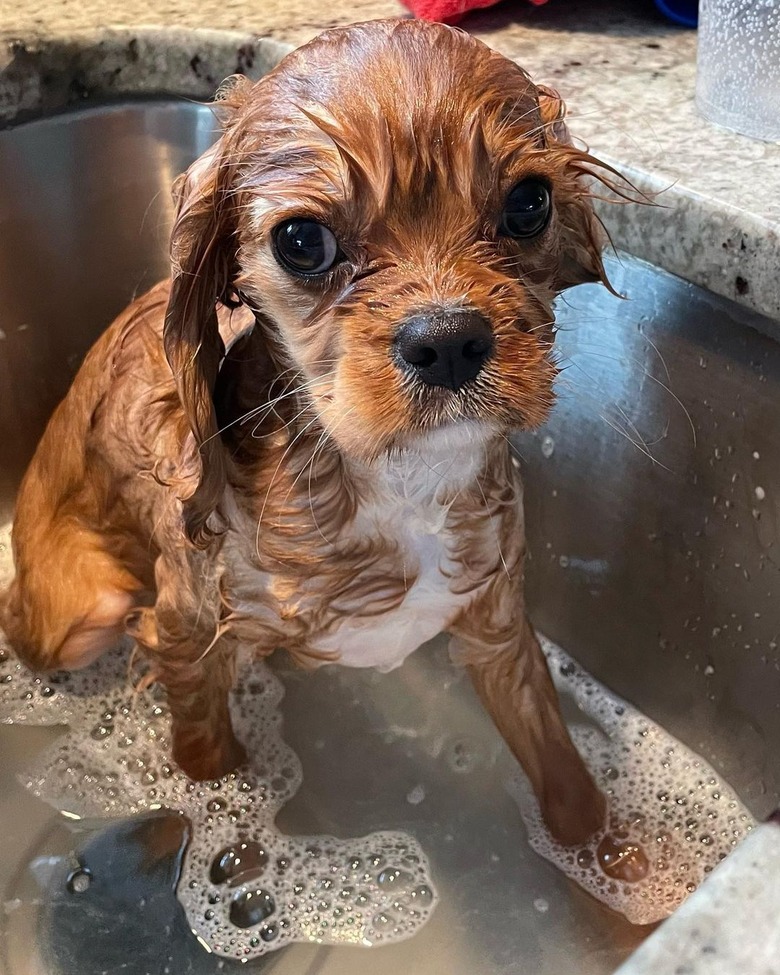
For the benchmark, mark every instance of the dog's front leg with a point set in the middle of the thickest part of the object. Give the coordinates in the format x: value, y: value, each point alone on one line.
x: 495, y: 641
x: 195, y: 661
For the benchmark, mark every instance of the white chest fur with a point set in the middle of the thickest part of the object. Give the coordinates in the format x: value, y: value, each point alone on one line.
x: 408, y: 500
x: 408, y: 508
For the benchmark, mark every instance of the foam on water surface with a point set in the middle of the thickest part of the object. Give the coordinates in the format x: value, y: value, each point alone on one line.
x: 672, y: 817
x: 246, y: 888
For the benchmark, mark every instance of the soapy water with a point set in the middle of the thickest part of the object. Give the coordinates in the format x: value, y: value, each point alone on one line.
x: 248, y: 889
x: 672, y: 819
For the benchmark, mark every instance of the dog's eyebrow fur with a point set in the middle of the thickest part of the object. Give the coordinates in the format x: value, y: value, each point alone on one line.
x: 370, y: 163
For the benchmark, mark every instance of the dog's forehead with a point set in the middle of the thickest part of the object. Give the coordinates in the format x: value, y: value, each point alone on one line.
x: 389, y: 113
x: 410, y: 77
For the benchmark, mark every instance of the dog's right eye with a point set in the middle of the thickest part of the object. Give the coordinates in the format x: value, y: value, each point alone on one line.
x: 527, y: 210
x: 305, y: 247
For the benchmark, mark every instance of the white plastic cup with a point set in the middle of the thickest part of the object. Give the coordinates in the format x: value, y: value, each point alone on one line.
x: 738, y: 66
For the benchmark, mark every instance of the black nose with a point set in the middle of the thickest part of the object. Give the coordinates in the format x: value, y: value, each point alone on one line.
x: 446, y: 348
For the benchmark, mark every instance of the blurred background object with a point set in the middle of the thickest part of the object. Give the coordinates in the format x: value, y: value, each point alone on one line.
x: 682, y: 12
x: 738, y: 66
x: 451, y: 11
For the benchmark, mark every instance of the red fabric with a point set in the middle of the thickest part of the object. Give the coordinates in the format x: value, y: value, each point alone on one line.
x: 451, y: 11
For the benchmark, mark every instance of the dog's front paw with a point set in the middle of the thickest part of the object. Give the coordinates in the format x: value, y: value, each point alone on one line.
x: 576, y: 809
x: 207, y: 760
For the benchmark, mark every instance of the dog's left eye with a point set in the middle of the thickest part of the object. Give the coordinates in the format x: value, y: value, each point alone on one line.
x: 305, y: 246
x: 527, y: 209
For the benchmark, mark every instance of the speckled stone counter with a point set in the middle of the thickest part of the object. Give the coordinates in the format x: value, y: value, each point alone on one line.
x: 729, y: 926
x: 627, y: 76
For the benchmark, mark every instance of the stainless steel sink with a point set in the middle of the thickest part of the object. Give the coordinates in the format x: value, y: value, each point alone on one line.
x: 652, y: 507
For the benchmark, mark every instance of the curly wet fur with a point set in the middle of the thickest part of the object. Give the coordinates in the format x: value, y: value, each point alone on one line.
x: 300, y: 490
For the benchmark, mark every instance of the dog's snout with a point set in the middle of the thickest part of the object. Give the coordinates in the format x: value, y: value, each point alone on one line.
x: 445, y: 348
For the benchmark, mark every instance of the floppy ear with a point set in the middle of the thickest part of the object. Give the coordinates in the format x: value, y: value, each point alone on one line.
x: 582, y: 235
x: 203, y: 259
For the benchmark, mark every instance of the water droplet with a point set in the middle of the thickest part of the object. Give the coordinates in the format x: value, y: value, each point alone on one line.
x: 548, y: 447
x: 250, y: 907
x: 622, y: 860
x: 235, y: 860
x: 392, y: 878
x: 383, y: 920
x: 541, y: 905
x: 416, y: 795
x: 422, y: 895
x: 584, y: 858
x: 101, y: 731
x: 79, y: 881
x: 462, y: 757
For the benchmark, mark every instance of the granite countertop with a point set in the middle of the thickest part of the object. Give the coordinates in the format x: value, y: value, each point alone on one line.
x: 627, y: 76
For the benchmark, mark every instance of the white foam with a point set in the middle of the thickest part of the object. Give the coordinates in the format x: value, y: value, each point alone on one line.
x: 113, y: 762
x: 665, y: 802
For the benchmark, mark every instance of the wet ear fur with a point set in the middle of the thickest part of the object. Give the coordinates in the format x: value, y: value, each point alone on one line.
x: 203, y: 259
x: 582, y: 235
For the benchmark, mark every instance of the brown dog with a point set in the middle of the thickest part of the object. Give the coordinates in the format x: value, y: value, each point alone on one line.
x: 377, y: 238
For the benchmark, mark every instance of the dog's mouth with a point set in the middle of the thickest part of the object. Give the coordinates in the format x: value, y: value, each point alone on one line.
x: 491, y: 397
x: 437, y: 406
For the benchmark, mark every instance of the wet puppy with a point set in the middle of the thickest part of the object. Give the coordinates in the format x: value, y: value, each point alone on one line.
x: 299, y: 441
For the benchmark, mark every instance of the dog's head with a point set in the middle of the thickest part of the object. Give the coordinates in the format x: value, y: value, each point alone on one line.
x: 399, y: 205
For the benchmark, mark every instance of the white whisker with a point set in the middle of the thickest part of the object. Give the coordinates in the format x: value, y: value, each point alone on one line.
x: 493, y: 526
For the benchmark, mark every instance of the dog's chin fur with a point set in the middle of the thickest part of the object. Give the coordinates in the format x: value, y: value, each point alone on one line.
x: 301, y: 489
x: 433, y: 443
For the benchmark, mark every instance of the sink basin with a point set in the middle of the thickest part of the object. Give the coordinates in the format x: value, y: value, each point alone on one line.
x: 651, y: 500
